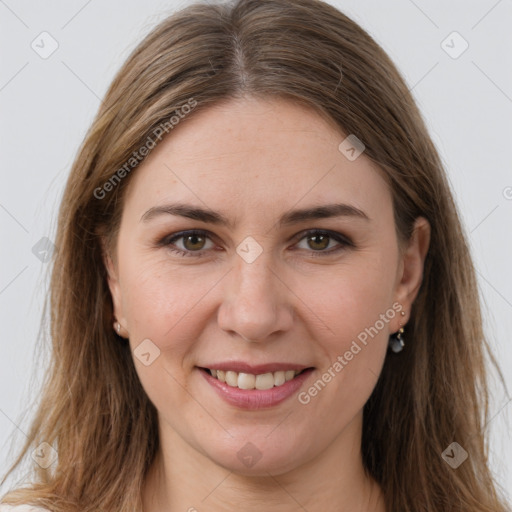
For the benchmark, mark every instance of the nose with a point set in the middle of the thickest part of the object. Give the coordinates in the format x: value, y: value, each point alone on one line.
x: 256, y: 302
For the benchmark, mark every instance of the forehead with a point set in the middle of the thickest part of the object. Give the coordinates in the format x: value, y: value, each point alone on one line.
x: 257, y: 154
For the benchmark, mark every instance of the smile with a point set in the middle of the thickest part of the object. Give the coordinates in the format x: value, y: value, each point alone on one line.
x: 250, y: 381
x: 255, y: 390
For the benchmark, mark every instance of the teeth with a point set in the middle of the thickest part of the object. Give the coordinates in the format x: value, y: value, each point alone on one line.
x: 247, y: 381
x: 288, y: 375
x: 250, y: 381
x: 279, y: 378
x: 232, y: 379
x: 265, y: 381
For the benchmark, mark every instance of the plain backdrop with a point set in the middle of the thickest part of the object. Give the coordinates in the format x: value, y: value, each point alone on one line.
x: 462, y: 83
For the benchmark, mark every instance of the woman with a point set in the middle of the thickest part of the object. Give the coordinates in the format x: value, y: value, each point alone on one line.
x: 262, y: 294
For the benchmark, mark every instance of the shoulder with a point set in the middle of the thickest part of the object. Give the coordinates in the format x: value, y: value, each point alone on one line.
x: 21, y: 508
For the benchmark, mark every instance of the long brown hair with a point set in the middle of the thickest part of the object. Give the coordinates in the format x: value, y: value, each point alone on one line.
x: 93, y: 410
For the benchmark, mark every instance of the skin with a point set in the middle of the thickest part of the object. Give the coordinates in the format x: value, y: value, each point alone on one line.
x: 254, y: 160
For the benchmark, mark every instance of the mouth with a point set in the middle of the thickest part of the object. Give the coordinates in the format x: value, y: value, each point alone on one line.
x: 249, y: 381
x: 267, y: 387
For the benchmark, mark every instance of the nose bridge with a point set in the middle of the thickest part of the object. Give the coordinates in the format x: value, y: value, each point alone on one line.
x: 253, y: 283
x: 253, y: 265
x: 253, y: 303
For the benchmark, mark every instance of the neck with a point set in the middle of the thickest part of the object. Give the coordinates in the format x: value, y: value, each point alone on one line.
x: 181, y: 478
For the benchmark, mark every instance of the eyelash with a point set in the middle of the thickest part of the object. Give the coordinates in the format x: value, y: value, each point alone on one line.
x: 341, y: 239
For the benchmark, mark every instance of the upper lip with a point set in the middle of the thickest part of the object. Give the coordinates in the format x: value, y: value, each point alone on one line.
x: 255, y: 369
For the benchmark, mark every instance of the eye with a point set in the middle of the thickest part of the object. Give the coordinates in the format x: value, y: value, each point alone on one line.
x: 319, y: 240
x: 192, y: 242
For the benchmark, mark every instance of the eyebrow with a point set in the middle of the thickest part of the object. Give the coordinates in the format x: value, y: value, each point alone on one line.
x: 288, y: 218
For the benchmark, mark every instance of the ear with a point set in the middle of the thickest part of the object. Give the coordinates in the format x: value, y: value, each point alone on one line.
x: 114, y: 286
x: 410, y: 268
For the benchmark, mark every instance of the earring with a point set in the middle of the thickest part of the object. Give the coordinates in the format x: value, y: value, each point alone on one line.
x: 396, y: 343
x: 117, y: 327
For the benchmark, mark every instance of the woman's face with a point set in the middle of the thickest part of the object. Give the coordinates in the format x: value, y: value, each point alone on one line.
x: 257, y: 289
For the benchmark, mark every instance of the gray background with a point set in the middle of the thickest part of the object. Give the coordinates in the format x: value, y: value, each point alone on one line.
x: 47, y: 105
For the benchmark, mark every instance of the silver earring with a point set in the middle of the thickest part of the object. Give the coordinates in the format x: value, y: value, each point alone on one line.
x: 396, y: 343
x: 118, y: 327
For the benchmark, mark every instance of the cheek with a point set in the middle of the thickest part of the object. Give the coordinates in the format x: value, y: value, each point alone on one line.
x: 158, y: 297
x: 165, y: 304
x: 352, y: 298
x: 356, y: 309
x: 161, y: 306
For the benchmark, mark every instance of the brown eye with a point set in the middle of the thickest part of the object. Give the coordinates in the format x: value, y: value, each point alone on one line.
x: 193, y: 242
x: 324, y: 243
x: 188, y: 243
x: 318, y: 242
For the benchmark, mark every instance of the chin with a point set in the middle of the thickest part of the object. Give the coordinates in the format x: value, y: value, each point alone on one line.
x: 259, y: 457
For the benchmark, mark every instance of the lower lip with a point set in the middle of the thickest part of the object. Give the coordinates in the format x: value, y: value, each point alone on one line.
x: 257, y: 398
